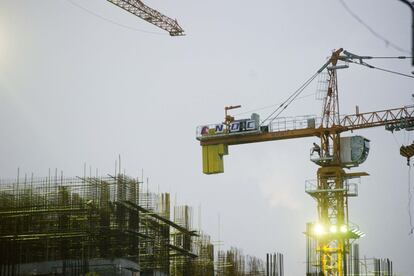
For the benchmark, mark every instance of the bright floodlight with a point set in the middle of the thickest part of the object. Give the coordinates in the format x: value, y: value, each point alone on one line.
x: 318, y: 229
x: 343, y: 229
x: 333, y: 229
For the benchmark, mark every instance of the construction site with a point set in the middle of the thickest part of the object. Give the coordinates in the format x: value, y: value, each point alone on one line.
x: 112, y: 226
x: 110, y: 92
x: 107, y: 226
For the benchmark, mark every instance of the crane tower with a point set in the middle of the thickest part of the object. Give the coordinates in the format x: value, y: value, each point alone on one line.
x: 334, y: 155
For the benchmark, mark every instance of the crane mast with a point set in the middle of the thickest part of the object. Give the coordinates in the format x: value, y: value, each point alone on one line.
x: 331, y: 194
x: 333, y: 231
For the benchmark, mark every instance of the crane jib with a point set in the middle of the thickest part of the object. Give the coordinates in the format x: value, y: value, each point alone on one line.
x: 215, y: 139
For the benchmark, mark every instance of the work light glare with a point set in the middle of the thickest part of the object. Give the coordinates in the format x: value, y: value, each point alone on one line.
x: 333, y: 229
x: 318, y: 229
x: 343, y: 229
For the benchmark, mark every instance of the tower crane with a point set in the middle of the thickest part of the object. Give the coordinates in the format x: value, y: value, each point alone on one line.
x: 333, y: 231
x: 150, y: 15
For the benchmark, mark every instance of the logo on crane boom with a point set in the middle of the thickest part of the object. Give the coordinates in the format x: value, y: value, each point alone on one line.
x: 236, y: 126
x: 230, y: 125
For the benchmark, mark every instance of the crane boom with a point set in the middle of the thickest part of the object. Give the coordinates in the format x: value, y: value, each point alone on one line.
x: 150, y: 15
x: 402, y: 115
x: 215, y: 145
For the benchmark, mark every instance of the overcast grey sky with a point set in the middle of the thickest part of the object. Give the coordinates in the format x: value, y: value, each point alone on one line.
x: 76, y: 88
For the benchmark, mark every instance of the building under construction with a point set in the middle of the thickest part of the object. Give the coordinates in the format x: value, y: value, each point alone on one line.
x: 108, y: 226
x: 101, y: 226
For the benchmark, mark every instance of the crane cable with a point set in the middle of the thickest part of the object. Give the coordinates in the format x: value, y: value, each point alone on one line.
x: 370, y: 29
x: 350, y: 57
x: 110, y: 20
x: 290, y: 99
x: 395, y: 140
x: 273, y: 105
x: 387, y: 57
x: 409, y: 190
x: 409, y: 201
x: 381, y: 69
x: 410, y: 196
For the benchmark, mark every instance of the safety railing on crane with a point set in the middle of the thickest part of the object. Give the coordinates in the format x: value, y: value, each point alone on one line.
x: 350, y: 187
x: 278, y: 124
x: 393, y: 119
x: 293, y: 123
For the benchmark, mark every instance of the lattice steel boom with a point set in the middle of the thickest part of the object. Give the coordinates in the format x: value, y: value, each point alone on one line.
x: 388, y: 118
x: 150, y: 15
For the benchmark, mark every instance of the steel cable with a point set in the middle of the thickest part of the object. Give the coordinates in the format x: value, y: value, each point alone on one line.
x: 380, y: 69
x: 289, y: 100
x: 409, y: 201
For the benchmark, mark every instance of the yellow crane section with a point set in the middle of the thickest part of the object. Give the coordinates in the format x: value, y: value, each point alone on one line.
x: 215, y: 143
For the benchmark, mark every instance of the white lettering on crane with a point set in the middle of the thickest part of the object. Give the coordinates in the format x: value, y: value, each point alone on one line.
x: 219, y: 128
x: 235, y: 126
x: 239, y: 126
x: 250, y: 125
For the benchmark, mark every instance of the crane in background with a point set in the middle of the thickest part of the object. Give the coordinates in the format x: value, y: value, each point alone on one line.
x: 150, y: 15
x: 333, y: 231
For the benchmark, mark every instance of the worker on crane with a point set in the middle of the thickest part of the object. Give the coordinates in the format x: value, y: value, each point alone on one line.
x: 316, y: 148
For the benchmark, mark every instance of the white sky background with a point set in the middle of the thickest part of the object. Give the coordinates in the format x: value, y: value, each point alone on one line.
x: 75, y: 88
